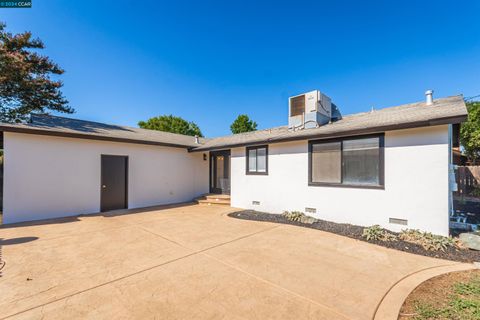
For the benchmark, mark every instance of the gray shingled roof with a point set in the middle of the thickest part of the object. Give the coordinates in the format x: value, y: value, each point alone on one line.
x: 60, y: 126
x: 442, y: 111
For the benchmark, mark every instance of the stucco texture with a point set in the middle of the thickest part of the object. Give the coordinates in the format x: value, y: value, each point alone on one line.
x: 416, y: 184
x: 47, y: 177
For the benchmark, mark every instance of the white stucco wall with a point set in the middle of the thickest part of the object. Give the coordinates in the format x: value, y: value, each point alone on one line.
x: 416, y: 184
x: 47, y: 177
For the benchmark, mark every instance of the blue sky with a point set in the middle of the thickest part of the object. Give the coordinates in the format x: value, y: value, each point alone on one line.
x: 206, y: 61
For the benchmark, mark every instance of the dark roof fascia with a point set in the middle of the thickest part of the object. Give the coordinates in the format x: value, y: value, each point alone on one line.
x: 88, y: 136
x: 409, y: 125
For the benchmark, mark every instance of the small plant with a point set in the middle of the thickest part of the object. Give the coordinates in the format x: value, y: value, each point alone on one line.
x: 428, y: 240
x: 387, y: 236
x: 372, y: 233
x: 426, y: 311
x: 293, y: 215
x: 475, y: 192
x: 298, y: 216
x: 468, y: 288
x: 376, y: 233
x: 459, y: 244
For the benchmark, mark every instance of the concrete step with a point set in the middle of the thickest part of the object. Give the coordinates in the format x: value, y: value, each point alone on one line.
x: 215, y: 199
x: 215, y: 203
x: 213, y: 196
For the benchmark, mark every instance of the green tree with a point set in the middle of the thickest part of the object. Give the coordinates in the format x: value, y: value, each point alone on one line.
x: 470, y: 132
x: 170, y: 123
x: 243, y: 124
x: 26, y: 85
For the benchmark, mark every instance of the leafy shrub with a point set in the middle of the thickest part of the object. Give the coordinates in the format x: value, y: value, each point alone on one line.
x: 376, y: 233
x: 428, y: 240
x: 387, y: 236
x: 373, y: 233
x: 293, y: 215
x: 298, y: 216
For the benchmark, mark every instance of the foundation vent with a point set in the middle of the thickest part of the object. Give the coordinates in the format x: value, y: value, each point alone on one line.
x: 310, y: 210
x: 256, y: 203
x: 403, y: 222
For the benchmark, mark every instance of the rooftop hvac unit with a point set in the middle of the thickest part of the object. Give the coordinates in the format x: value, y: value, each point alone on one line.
x: 309, y: 110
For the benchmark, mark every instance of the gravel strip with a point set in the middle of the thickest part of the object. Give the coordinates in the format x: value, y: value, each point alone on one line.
x: 355, y: 232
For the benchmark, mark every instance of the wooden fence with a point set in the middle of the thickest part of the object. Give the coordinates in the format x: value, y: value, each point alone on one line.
x: 468, y: 178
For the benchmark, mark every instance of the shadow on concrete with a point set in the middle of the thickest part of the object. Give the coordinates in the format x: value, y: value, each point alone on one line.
x: 39, y: 222
x: 122, y: 212
x: 9, y: 242
x: 108, y: 214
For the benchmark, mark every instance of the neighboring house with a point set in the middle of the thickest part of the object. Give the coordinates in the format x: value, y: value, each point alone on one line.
x: 390, y: 167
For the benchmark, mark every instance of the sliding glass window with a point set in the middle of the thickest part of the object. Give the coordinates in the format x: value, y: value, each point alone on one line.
x: 349, y: 162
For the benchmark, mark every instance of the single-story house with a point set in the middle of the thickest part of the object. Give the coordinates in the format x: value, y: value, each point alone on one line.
x: 391, y: 167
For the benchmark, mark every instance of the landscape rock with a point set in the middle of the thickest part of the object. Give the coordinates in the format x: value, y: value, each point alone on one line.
x: 471, y: 240
x: 307, y: 220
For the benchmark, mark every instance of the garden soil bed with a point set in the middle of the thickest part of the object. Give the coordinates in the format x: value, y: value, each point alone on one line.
x: 439, y: 298
x: 355, y: 232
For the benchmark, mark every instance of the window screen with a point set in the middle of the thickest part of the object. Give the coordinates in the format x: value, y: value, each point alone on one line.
x: 326, y: 162
x: 352, y: 162
x: 252, y: 160
x: 262, y: 159
x: 361, y: 161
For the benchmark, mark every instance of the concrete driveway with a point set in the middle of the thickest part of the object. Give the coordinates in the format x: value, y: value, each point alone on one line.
x: 194, y: 262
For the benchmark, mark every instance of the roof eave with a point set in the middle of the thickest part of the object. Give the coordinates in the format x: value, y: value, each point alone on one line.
x: 377, y: 129
x: 13, y: 129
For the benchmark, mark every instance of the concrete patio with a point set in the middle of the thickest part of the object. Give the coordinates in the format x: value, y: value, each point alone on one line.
x: 194, y: 262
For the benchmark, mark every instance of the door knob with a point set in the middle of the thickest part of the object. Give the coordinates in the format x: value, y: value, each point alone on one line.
x: 104, y: 186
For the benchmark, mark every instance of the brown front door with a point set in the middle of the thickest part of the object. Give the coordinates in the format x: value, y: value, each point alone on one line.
x: 220, y: 172
x: 114, y: 183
